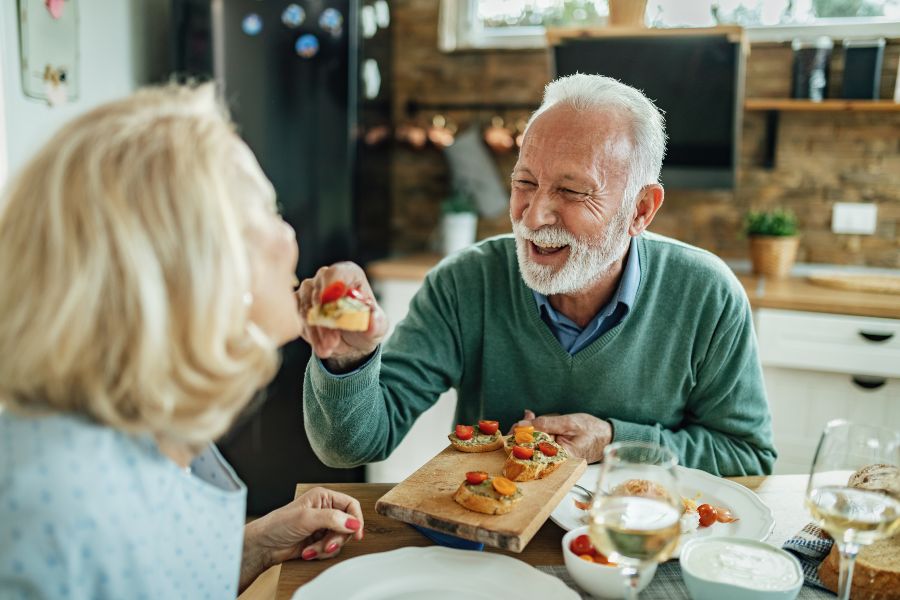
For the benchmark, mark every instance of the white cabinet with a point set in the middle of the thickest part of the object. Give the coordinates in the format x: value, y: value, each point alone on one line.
x: 820, y: 367
x: 428, y: 435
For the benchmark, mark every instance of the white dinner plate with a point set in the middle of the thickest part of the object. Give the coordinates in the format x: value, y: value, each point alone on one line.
x: 755, y: 519
x: 433, y: 572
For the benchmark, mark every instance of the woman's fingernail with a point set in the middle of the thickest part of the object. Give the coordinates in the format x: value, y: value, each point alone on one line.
x: 331, y: 548
x: 352, y: 524
x: 308, y: 554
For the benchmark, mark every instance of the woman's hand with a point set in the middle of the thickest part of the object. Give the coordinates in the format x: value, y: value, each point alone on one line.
x: 341, y: 351
x: 315, y: 525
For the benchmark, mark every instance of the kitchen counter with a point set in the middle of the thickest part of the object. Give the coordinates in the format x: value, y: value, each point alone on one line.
x: 793, y: 293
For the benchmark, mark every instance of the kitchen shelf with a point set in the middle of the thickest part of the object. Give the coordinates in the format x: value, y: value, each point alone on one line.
x: 773, y: 107
x: 836, y: 105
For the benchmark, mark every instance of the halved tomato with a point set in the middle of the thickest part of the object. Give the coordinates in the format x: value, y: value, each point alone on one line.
x: 488, y: 427
x: 707, y: 514
x: 548, y: 449
x: 333, y: 292
x: 528, y: 428
x: 582, y: 545
x: 476, y: 477
x: 524, y: 437
x: 464, y: 432
x: 522, y: 453
x: 503, y: 486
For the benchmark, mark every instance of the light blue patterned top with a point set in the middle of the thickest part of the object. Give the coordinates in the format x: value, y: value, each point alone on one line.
x: 88, y: 512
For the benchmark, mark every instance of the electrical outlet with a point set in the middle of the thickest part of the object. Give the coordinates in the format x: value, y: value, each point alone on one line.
x: 854, y: 217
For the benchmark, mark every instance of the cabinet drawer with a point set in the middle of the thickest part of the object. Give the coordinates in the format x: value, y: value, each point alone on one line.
x: 824, y: 342
x: 802, y: 402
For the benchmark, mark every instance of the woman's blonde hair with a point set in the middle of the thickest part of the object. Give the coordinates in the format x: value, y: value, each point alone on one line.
x: 126, y: 272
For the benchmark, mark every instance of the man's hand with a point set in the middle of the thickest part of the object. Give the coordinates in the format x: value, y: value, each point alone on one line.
x: 314, y: 526
x: 581, y: 434
x: 340, y: 351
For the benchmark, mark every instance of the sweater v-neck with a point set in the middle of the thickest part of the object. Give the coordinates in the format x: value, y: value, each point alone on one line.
x: 585, y: 354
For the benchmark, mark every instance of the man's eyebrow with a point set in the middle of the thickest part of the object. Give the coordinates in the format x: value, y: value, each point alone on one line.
x: 521, y: 171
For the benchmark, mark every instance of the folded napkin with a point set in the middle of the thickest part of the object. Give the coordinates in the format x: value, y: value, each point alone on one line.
x: 810, y: 545
x: 445, y: 539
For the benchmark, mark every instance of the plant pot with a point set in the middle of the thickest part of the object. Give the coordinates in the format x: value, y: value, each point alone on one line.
x: 627, y: 13
x: 458, y: 231
x: 772, y: 255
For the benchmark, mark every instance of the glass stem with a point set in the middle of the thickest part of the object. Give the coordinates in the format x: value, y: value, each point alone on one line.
x: 632, y: 576
x: 848, y: 553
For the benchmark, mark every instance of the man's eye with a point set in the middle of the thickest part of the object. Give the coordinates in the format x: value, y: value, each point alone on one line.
x: 524, y: 182
x: 572, y: 192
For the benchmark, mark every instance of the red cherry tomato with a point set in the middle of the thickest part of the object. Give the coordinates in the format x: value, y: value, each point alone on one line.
x: 333, y: 292
x: 582, y: 545
x: 523, y: 453
x: 464, y: 432
x: 547, y: 449
x: 707, y: 514
x: 476, y: 477
x: 488, y: 427
x: 355, y: 294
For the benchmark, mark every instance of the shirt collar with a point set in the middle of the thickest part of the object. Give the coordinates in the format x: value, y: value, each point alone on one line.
x: 625, y: 293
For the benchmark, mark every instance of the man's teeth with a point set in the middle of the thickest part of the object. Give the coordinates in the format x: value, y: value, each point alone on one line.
x: 547, y: 249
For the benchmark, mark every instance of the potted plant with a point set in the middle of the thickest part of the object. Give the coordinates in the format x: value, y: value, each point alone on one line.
x: 773, y: 241
x: 459, y: 222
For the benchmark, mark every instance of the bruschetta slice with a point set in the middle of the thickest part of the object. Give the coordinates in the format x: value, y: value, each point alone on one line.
x: 483, y: 437
x: 489, y: 495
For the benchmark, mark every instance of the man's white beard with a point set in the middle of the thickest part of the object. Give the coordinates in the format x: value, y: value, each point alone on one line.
x: 589, y: 258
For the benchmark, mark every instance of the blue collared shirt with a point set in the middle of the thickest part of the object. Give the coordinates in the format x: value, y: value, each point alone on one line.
x: 572, y: 337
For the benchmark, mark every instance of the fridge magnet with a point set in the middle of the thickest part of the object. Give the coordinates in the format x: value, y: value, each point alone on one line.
x: 48, y: 42
x: 252, y: 24
x: 307, y: 45
x: 331, y: 21
x: 293, y: 16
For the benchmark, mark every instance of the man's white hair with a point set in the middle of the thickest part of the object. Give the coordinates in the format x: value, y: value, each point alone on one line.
x: 648, y: 131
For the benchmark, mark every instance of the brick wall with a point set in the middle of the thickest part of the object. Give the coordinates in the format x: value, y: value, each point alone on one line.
x: 822, y: 158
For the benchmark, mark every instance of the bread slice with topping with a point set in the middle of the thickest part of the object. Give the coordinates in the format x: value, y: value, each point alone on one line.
x: 876, y: 574
x: 483, y: 437
x: 488, y: 495
x: 527, y: 462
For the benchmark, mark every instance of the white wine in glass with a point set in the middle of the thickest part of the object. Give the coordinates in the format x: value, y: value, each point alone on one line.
x: 636, y: 513
x: 855, y: 516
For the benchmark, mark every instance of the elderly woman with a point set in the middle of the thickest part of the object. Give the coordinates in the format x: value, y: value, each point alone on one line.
x: 147, y: 285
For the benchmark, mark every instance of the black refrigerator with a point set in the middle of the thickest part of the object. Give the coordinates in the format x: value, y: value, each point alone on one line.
x: 289, y: 72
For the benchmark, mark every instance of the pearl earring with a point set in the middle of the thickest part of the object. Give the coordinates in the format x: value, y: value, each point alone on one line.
x: 248, y: 298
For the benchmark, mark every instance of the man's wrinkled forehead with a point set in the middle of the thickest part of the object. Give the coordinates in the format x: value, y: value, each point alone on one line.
x: 601, y: 133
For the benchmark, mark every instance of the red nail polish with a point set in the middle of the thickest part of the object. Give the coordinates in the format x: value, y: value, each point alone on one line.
x: 309, y: 554
x: 352, y: 524
x: 331, y: 548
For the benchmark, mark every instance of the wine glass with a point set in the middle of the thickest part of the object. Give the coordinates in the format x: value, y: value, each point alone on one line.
x: 854, y: 517
x: 636, y: 512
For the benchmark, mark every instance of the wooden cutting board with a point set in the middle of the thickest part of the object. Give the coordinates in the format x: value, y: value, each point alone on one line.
x: 426, y: 498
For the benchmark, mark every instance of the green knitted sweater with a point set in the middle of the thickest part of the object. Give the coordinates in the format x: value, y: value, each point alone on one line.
x: 681, y: 369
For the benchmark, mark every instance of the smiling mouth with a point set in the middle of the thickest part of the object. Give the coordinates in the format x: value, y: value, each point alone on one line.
x: 547, y: 250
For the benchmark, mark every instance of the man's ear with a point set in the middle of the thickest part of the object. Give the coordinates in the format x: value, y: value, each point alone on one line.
x: 650, y: 198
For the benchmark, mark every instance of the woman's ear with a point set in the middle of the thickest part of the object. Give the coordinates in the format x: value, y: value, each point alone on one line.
x: 649, y: 200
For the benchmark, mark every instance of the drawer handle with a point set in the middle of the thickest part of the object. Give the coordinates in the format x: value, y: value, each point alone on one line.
x: 876, y: 337
x: 869, y: 383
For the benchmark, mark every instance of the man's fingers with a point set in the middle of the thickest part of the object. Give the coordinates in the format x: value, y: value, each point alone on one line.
x: 557, y: 425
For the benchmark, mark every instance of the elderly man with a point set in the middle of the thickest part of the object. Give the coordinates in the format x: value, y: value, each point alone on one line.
x: 606, y: 331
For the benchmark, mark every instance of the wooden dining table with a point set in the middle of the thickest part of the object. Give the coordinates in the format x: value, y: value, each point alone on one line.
x: 782, y: 493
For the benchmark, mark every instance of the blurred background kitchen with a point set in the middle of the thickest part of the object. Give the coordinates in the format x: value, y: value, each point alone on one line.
x: 389, y: 130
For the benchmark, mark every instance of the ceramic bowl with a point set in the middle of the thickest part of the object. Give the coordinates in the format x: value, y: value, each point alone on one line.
x: 739, y: 569
x: 602, y: 581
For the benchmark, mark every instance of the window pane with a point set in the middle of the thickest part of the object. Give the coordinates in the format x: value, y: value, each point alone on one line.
x: 549, y: 13
x: 680, y: 13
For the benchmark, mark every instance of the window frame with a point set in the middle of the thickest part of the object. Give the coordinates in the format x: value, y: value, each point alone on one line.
x: 456, y: 31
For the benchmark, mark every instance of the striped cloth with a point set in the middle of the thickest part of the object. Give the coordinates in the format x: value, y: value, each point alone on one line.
x: 667, y: 584
x: 810, y: 545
